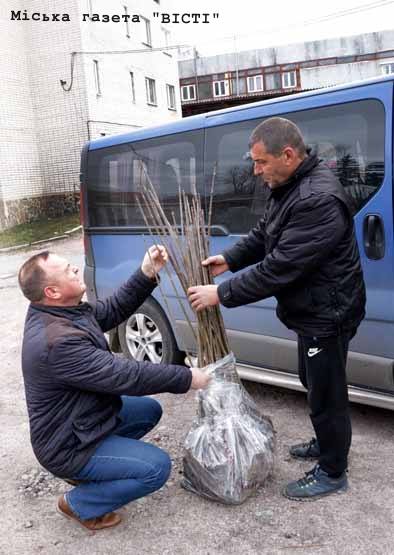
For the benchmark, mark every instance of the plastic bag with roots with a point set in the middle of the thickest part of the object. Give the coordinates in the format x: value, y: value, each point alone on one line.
x: 229, y: 452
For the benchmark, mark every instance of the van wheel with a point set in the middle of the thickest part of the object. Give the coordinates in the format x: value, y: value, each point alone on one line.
x: 147, y: 336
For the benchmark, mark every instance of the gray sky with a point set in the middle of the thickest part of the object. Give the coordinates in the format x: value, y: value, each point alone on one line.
x: 263, y: 23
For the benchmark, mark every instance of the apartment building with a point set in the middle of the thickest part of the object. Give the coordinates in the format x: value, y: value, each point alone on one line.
x: 214, y: 82
x: 71, y: 72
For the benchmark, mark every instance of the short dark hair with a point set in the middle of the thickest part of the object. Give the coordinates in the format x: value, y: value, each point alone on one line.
x: 32, y: 277
x: 276, y: 134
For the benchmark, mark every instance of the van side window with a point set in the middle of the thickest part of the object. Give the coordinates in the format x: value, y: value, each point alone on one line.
x: 239, y: 196
x: 348, y: 137
x: 115, y: 176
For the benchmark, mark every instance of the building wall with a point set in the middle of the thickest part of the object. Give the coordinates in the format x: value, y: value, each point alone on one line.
x: 313, y: 50
x: 48, y: 126
x: 325, y: 76
x: 270, y: 72
x: 19, y: 159
x: 43, y: 127
x: 114, y: 111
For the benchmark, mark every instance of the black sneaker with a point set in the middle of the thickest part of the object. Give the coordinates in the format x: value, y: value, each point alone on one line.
x: 316, y: 483
x: 310, y: 450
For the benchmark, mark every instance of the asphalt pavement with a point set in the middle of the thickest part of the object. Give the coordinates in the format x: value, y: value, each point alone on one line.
x: 173, y: 521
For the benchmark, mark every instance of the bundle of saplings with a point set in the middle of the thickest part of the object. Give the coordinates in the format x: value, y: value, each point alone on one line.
x: 229, y: 450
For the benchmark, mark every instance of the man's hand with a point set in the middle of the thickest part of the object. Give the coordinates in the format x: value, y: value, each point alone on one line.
x: 217, y: 263
x: 154, y: 260
x: 202, y: 296
x: 200, y: 379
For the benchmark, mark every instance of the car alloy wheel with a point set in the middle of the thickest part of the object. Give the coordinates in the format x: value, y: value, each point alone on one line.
x: 144, y: 339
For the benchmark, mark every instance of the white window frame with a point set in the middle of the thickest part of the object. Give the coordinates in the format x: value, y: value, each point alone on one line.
x: 252, y: 83
x: 148, y: 32
x: 186, y: 91
x: 389, y: 64
x: 288, y: 78
x: 167, y: 35
x: 96, y: 72
x: 150, y: 99
x: 220, y: 88
x: 171, y: 97
x: 132, y: 83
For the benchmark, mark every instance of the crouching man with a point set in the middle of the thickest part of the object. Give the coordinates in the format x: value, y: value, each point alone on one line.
x: 86, y: 410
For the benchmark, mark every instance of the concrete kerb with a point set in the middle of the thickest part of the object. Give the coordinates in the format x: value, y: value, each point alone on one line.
x: 65, y: 235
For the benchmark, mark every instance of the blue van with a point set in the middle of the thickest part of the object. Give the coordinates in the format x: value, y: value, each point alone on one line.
x: 350, y: 127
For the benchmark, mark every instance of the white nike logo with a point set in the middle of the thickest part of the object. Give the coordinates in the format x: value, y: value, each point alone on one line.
x: 314, y: 351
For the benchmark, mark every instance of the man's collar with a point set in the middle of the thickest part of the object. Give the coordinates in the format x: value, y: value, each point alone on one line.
x: 65, y: 311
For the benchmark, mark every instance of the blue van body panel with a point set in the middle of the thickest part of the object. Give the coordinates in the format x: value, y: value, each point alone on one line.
x: 379, y: 274
x: 179, y: 126
x: 117, y: 255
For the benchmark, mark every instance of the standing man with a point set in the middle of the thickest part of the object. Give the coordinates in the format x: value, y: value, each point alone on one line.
x: 304, y: 252
x: 84, y: 426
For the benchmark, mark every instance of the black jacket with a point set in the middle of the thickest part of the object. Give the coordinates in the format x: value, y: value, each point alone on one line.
x: 73, y: 381
x: 306, y: 255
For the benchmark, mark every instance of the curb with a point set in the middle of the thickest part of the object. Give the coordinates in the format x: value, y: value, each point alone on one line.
x: 66, y: 235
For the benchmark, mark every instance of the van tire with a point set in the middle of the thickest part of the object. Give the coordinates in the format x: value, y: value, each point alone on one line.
x: 147, y: 336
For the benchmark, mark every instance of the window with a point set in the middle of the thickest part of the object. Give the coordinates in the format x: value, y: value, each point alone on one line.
x: 132, y: 87
x: 238, y: 86
x: 166, y: 37
x: 148, y: 37
x: 116, y: 177
x: 272, y: 81
x: 126, y: 12
x: 239, y: 195
x: 220, y: 88
x: 96, y: 72
x: 289, y: 80
x: 348, y: 137
x: 387, y: 69
x: 171, y: 97
x: 188, y: 92
x: 255, y: 83
x: 151, y: 91
x: 204, y: 90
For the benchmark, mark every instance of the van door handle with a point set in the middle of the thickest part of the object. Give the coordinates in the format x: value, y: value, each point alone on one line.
x: 373, y: 236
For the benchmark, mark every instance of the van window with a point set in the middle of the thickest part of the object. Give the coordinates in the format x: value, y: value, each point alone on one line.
x: 115, y: 177
x: 348, y: 137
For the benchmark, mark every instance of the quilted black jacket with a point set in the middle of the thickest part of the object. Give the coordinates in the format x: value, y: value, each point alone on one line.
x: 304, y: 252
x: 73, y: 382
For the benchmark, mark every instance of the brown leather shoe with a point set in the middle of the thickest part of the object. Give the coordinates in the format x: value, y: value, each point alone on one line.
x: 92, y: 524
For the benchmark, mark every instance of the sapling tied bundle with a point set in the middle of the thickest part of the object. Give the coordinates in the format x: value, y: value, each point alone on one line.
x: 229, y: 450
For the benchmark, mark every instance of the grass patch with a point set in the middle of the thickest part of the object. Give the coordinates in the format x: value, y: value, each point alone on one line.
x: 36, y: 231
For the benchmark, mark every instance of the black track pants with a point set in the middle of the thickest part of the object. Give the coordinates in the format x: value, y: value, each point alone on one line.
x: 322, y: 371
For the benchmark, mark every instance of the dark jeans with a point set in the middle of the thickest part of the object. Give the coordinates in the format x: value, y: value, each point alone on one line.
x: 122, y: 468
x: 322, y: 371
